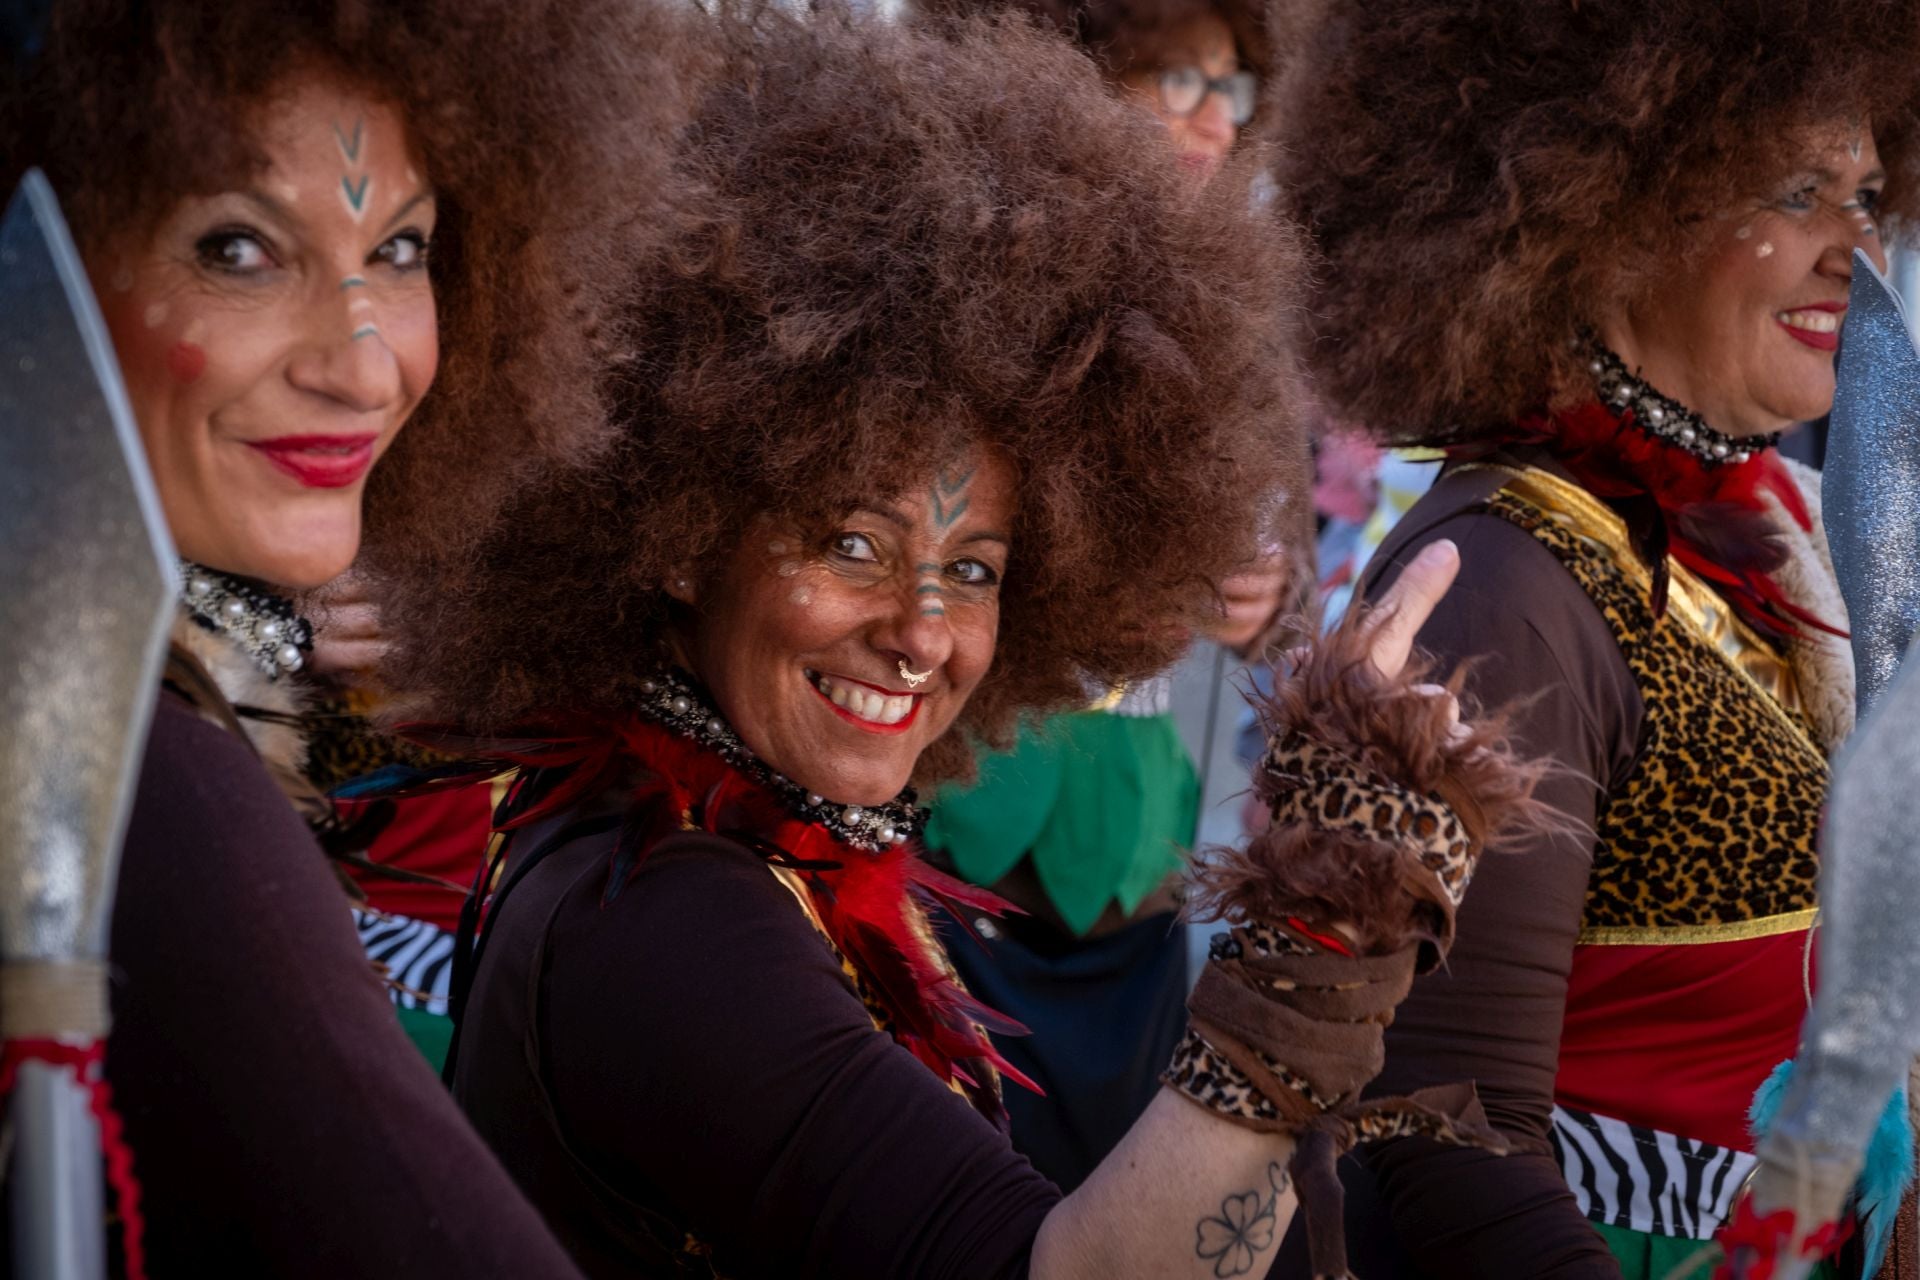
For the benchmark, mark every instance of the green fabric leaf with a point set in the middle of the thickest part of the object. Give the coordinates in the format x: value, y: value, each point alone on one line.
x: 1104, y: 804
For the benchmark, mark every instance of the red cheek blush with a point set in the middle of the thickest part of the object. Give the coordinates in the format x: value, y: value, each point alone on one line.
x: 186, y: 361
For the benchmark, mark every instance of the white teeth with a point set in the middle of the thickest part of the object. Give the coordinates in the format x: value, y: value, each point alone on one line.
x: 1811, y: 321
x: 868, y: 704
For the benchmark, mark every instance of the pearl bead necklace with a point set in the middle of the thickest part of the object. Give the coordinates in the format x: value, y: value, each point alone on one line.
x: 262, y: 624
x: 670, y: 700
x: 1664, y: 418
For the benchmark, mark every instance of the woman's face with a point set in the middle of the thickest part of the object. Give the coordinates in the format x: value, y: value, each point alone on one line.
x: 274, y: 338
x: 1204, y: 136
x: 808, y: 649
x: 1747, y: 340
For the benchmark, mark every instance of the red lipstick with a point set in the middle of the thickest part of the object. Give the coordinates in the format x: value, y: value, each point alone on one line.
x: 320, y: 462
x: 905, y: 723
x: 1818, y: 341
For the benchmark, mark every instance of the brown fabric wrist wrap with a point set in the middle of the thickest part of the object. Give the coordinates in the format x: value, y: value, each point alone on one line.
x: 1284, y: 1035
x: 1383, y: 800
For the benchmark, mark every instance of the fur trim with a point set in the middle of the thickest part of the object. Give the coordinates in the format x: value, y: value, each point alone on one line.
x: 1822, y: 664
x: 1396, y: 730
x: 281, y: 747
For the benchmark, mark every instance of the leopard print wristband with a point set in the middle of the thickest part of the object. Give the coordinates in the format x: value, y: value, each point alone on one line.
x: 1317, y: 785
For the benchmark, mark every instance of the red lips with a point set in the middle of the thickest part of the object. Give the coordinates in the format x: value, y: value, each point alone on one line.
x: 1818, y: 341
x: 320, y: 462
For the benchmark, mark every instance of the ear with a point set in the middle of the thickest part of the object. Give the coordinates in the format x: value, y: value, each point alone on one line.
x: 680, y: 586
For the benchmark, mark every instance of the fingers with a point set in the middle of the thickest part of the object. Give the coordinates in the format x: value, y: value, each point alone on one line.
x: 1405, y: 609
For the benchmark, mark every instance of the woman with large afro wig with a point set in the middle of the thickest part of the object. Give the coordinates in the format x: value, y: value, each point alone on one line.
x: 1600, y: 251
x: 937, y: 409
x: 1086, y: 825
x: 344, y: 249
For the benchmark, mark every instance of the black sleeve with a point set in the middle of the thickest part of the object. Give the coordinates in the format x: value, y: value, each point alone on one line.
x: 702, y: 1042
x: 282, y: 1123
x: 1538, y: 648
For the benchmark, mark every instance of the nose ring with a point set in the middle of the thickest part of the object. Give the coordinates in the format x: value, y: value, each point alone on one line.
x: 913, y: 678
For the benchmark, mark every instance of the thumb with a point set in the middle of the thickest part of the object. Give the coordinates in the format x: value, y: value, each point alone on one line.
x: 1405, y: 609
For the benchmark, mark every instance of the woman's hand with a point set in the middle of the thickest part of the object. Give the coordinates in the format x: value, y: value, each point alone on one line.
x: 1406, y: 607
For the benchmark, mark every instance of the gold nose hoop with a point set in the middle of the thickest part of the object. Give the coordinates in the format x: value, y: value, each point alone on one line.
x: 914, y: 679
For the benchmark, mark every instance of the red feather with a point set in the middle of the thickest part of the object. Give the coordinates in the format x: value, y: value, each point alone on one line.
x: 871, y: 905
x: 1716, y: 519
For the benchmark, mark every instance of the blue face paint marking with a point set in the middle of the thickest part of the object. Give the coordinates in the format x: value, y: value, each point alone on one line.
x: 350, y: 148
x: 364, y: 331
x: 353, y: 282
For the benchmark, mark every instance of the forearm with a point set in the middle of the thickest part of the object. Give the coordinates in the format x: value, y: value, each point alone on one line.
x: 1186, y: 1193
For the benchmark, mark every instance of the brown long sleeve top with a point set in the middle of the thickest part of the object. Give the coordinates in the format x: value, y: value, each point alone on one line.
x: 684, y: 1078
x: 281, y: 1122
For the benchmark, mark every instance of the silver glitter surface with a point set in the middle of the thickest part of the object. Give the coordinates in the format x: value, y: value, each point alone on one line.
x: 1865, y: 1023
x: 87, y: 581
x: 1871, y: 487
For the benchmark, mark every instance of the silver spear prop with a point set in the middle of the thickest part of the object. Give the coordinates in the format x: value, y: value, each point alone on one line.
x: 87, y: 584
x: 1865, y: 1022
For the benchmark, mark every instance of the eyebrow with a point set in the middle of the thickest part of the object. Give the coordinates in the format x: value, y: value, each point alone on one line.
x: 281, y: 212
x: 906, y: 524
x: 419, y: 199
x: 1824, y: 176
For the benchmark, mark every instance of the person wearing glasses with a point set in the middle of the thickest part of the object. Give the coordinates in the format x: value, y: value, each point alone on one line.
x: 1086, y: 823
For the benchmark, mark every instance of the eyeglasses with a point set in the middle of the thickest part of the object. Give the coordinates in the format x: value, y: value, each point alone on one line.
x: 1184, y: 89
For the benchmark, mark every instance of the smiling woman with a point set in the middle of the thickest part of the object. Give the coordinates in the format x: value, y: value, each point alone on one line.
x: 938, y: 408
x: 289, y: 213
x: 1603, y: 252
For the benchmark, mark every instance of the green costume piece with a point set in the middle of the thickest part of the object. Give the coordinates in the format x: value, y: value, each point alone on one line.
x: 1105, y: 805
x: 431, y: 1033
x: 1644, y: 1256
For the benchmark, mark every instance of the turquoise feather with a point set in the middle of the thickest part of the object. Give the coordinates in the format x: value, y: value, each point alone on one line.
x: 1884, y: 1178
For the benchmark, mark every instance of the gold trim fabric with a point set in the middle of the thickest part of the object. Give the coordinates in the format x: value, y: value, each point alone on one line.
x: 1713, y: 837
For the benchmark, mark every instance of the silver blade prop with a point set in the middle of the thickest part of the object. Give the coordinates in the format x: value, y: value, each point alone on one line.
x: 1870, y: 490
x: 87, y: 584
x: 1860, y: 1036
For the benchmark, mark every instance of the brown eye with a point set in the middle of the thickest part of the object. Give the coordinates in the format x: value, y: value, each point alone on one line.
x: 405, y: 252
x: 974, y: 573
x: 234, y: 252
x: 855, y: 546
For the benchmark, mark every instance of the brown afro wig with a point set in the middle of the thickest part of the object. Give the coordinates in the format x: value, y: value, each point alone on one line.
x: 903, y: 245
x: 1120, y: 34
x: 544, y: 124
x: 1484, y: 178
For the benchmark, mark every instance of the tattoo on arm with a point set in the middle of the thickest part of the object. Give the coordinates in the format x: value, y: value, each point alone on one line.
x: 1234, y: 1239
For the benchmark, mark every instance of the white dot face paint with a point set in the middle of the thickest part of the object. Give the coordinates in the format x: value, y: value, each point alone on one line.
x: 123, y: 281
x: 788, y: 568
x: 801, y: 596
x: 1765, y: 250
x: 776, y: 548
x: 1744, y: 233
x: 155, y: 315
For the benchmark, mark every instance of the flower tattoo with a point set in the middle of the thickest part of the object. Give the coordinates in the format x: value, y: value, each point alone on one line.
x: 1234, y: 1239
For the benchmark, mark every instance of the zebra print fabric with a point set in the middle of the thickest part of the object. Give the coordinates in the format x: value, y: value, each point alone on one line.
x: 1629, y: 1176
x: 418, y: 957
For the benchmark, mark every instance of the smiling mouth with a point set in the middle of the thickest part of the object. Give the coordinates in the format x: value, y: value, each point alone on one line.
x: 1818, y: 328
x: 874, y: 710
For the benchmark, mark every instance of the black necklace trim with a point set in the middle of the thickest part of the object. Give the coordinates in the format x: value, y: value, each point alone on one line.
x: 1664, y: 418
x: 673, y: 702
x: 262, y: 624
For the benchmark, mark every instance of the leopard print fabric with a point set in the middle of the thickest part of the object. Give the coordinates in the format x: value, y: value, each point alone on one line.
x: 1310, y: 783
x: 1717, y: 825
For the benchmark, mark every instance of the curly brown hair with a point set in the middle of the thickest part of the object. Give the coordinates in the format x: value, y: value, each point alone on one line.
x: 904, y: 245
x: 1121, y: 33
x: 544, y: 125
x: 1484, y: 178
